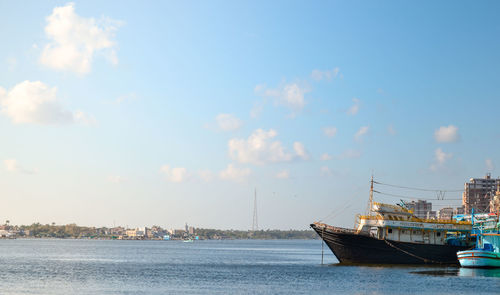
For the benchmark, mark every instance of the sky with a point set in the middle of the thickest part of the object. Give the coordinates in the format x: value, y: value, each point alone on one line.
x: 162, y: 112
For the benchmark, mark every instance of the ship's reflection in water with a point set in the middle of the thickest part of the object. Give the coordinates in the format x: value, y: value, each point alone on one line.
x: 462, y: 272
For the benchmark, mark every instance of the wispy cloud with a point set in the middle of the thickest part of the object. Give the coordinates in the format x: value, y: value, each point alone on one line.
x: 177, y: 174
x: 440, y: 159
x: 447, y: 134
x: 361, y: 133
x: 300, y: 150
x: 330, y: 131
x: 85, y: 119
x: 74, y: 40
x: 290, y: 95
x: 228, y: 122
x: 328, y: 75
x: 12, y: 165
x: 354, y: 109
x: 233, y: 173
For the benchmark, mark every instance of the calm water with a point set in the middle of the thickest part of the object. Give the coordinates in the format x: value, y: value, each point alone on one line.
x: 208, y: 267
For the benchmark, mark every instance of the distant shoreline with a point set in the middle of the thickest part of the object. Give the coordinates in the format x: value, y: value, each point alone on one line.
x: 73, y: 231
x: 171, y: 240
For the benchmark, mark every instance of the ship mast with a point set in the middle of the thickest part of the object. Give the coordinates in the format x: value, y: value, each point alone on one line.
x: 370, y: 201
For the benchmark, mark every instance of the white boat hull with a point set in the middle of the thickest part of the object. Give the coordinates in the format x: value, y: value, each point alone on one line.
x: 478, y: 258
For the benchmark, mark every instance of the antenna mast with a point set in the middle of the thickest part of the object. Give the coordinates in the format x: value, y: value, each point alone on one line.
x: 255, y: 224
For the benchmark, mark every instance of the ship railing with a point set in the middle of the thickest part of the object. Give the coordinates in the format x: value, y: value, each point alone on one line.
x: 414, y: 219
x: 334, y: 228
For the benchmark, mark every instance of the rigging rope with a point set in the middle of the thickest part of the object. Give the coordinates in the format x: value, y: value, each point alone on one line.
x: 335, y: 211
x: 419, y: 189
x: 418, y: 257
x: 406, y: 197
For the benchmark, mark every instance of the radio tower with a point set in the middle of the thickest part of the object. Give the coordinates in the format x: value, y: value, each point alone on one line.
x: 255, y: 224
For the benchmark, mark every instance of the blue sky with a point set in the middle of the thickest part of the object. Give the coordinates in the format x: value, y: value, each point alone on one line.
x: 171, y: 112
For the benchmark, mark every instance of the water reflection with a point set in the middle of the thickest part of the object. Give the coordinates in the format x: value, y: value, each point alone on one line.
x: 479, y: 272
x: 462, y: 272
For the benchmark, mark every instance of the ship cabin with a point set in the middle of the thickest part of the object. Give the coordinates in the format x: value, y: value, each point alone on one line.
x: 397, y: 223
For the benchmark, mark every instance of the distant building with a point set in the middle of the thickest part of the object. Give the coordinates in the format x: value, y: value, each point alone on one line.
x: 445, y: 213
x: 191, y: 230
x: 421, y: 208
x: 459, y: 210
x: 117, y: 231
x: 495, y: 202
x: 137, y: 233
x: 5, y: 234
x: 431, y: 215
x: 478, y: 193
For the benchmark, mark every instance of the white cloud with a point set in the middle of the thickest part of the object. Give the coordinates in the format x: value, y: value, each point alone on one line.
x: 234, y: 174
x: 12, y: 165
x: 35, y: 102
x: 177, y: 174
x: 319, y: 75
x: 354, y: 109
x: 259, y: 149
x: 228, y: 122
x: 289, y: 95
x: 326, y: 157
x: 283, y: 174
x: 447, y: 134
x: 361, y: 132
x: 325, y: 171
x: 489, y: 165
x: 440, y: 159
x: 74, y: 40
x: 330, y: 131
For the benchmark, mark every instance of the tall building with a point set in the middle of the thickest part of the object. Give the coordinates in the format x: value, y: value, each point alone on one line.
x: 478, y: 193
x: 421, y: 209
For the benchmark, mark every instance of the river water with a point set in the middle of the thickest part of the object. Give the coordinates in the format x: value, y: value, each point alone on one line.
x: 215, y: 267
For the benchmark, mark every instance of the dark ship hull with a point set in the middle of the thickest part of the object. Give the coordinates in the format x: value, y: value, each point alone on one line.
x: 352, y: 248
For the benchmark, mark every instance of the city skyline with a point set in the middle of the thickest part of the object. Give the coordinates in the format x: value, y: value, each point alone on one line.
x: 167, y: 113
